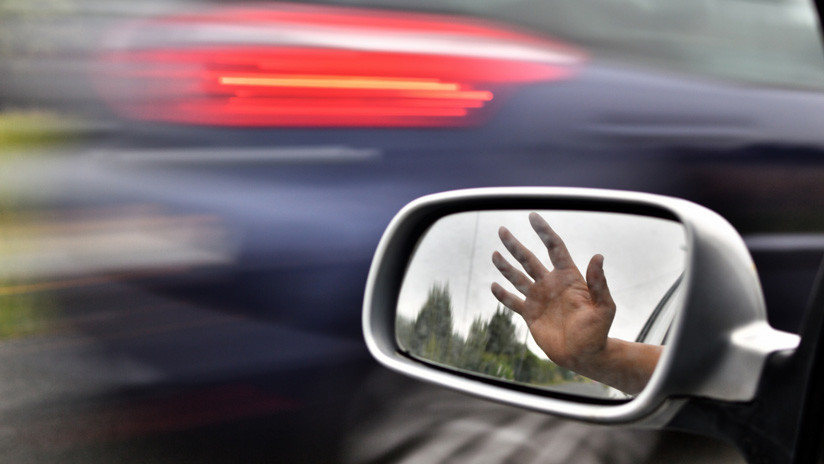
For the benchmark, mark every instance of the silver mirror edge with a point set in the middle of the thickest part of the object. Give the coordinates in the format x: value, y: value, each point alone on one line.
x: 723, y: 317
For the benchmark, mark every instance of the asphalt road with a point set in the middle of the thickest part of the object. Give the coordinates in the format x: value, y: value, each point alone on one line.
x: 118, y: 374
x: 410, y: 422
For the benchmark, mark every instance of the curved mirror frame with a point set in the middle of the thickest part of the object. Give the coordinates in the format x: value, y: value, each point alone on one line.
x: 716, y: 347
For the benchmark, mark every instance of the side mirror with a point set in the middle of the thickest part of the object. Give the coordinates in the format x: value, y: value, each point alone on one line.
x: 683, y: 285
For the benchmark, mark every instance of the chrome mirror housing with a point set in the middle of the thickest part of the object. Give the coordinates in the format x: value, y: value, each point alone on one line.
x: 717, y: 338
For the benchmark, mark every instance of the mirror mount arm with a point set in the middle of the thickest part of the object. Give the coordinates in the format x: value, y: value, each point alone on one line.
x: 762, y: 430
x: 785, y: 419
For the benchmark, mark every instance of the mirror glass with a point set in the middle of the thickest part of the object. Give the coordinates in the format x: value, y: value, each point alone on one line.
x: 596, y: 325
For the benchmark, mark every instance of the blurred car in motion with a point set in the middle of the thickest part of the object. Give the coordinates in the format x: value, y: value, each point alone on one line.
x: 208, y: 239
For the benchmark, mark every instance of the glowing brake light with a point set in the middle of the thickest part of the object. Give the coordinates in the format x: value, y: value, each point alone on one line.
x: 305, y: 66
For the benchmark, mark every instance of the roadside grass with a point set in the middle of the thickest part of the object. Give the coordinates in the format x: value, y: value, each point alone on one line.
x: 25, y: 314
x: 25, y: 130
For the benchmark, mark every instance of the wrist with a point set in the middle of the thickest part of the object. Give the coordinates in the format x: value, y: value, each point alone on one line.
x: 624, y: 365
x: 594, y: 360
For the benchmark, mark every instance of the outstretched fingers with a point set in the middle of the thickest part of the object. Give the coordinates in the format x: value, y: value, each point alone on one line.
x: 512, y: 274
x: 597, y: 283
x: 531, y: 264
x: 508, y: 299
x: 558, y: 253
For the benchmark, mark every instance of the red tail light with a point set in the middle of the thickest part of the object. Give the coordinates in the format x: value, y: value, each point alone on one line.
x: 322, y: 66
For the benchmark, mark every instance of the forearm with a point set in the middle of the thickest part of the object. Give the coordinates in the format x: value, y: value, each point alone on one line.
x: 624, y: 365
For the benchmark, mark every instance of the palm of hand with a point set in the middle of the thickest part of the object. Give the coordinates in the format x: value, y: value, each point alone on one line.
x: 564, y: 320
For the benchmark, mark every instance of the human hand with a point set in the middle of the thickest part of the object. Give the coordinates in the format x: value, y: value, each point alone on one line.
x: 569, y: 317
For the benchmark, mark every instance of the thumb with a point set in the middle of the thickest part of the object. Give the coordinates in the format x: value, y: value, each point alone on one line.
x: 597, y: 283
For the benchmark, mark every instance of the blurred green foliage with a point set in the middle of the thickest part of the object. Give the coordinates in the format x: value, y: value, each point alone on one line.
x: 32, y: 129
x: 23, y: 311
x: 29, y: 30
x: 23, y: 314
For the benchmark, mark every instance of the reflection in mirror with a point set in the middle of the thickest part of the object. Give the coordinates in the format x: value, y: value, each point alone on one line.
x: 580, y: 301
